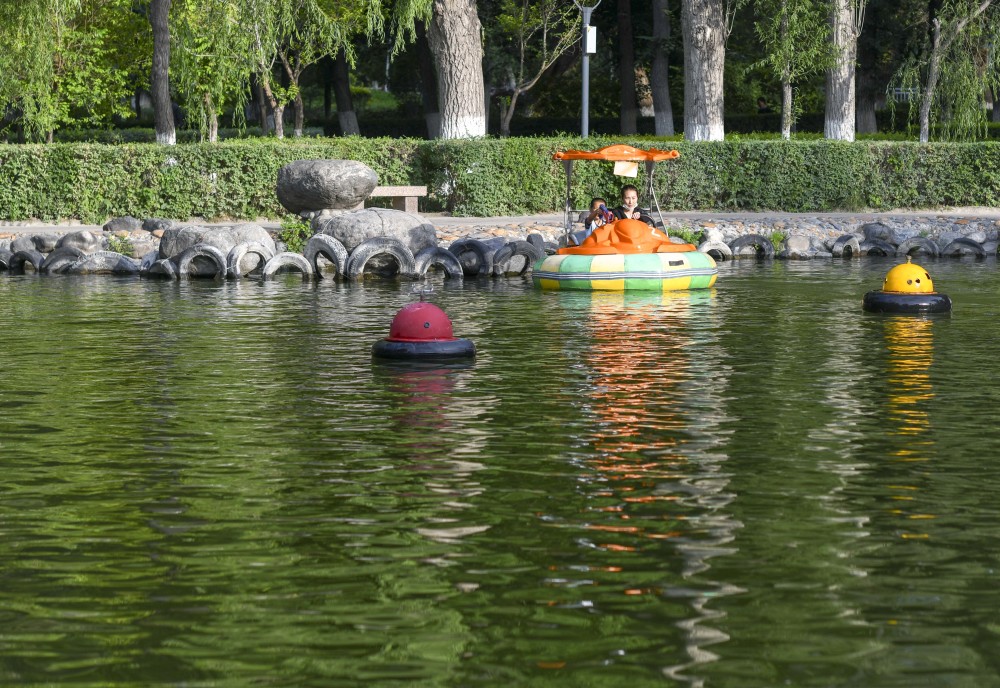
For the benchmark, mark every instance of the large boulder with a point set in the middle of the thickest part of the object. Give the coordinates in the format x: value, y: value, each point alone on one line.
x: 351, y: 229
x: 176, y: 240
x: 85, y: 240
x: 309, y: 185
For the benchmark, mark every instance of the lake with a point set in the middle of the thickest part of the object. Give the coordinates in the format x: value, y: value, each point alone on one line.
x: 212, y: 484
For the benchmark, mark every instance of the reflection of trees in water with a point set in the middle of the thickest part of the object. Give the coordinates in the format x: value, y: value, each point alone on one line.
x: 654, y: 487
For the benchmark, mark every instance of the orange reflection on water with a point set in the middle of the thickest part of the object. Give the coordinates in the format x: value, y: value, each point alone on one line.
x: 638, y: 358
x: 910, y: 346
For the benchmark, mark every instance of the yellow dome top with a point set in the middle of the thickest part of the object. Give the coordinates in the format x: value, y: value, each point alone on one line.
x: 908, y: 278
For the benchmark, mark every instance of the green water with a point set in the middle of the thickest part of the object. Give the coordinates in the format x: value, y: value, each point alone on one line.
x: 210, y: 484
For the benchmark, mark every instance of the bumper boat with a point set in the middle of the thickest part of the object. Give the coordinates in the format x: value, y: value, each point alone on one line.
x: 626, y: 254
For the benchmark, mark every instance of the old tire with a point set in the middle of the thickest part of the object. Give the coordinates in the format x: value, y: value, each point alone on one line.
x: 202, y: 251
x: 846, y: 246
x: 442, y: 257
x: 501, y: 259
x: 484, y: 256
x: 237, y: 252
x: 329, y: 248
x: 369, y: 248
x: 762, y: 246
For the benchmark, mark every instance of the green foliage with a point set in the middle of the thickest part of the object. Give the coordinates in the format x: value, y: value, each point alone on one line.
x: 777, y: 238
x: 295, y: 233
x: 489, y: 177
x: 120, y: 244
x: 691, y: 236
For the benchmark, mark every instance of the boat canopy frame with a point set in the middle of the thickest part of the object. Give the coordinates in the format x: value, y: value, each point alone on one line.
x: 615, y: 153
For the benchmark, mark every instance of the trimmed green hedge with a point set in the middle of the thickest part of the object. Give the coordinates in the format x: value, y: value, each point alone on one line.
x: 235, y: 179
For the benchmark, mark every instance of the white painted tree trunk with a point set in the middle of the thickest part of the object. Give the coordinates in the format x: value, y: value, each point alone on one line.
x: 704, y: 29
x: 163, y: 114
x: 455, y: 37
x: 840, y: 96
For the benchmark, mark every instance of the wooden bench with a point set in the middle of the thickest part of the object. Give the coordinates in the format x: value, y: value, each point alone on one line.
x: 403, y: 197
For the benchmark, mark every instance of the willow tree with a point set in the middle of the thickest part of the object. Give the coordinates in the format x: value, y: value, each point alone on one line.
x: 539, y: 32
x: 794, y: 34
x: 63, y: 62
x: 956, y: 21
x: 206, y: 67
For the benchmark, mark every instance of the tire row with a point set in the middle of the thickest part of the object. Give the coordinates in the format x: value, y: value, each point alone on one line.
x: 847, y: 246
x: 322, y: 254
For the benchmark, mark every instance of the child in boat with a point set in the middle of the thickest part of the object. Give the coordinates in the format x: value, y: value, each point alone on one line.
x: 599, y: 215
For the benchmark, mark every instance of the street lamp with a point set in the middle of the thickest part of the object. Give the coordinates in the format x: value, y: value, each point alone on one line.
x: 589, y: 45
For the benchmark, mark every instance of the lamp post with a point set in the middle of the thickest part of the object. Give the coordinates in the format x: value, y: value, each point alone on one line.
x: 589, y: 45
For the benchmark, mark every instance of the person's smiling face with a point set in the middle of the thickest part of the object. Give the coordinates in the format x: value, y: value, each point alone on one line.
x: 630, y: 198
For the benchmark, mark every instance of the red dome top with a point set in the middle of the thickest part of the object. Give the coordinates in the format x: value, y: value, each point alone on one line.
x: 420, y: 322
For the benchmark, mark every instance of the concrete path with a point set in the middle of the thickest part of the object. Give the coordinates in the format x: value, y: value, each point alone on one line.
x: 457, y: 225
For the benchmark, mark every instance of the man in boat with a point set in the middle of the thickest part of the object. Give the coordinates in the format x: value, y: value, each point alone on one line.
x: 629, y: 209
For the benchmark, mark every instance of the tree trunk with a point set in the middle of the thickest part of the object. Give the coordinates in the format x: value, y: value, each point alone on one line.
x: 703, y: 27
x: 456, y: 42
x: 213, y: 119
x: 258, y: 90
x: 342, y: 92
x: 163, y: 114
x: 865, y: 113
x: 840, y: 97
x: 786, y: 108
x: 277, y: 109
x: 626, y: 68
x: 326, y: 69
x: 428, y: 83
x: 300, y: 115
x: 507, y: 113
x: 933, y: 73
x: 659, y: 78
x: 995, y: 116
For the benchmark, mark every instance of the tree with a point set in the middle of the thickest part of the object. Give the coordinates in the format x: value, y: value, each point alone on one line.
x: 539, y: 31
x: 69, y: 62
x: 346, y: 116
x: 704, y: 25
x: 626, y: 68
x: 957, y: 17
x: 846, y: 19
x: 207, y: 71
x: 454, y: 34
x: 659, y: 83
x: 163, y: 112
x: 794, y: 35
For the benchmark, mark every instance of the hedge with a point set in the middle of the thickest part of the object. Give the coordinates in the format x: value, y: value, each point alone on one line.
x: 235, y: 179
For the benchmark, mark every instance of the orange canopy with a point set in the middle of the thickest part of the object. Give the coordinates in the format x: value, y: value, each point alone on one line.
x: 618, y: 152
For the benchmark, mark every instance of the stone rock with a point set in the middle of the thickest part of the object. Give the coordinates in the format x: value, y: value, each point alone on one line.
x: 946, y: 237
x: 22, y: 243
x: 143, y: 247
x: 977, y: 235
x: 86, y: 241
x: 351, y: 229
x: 876, y: 231
x: 798, y: 244
x: 178, y: 239
x: 306, y: 185
x: 154, y: 224
x: 713, y: 234
x: 126, y: 223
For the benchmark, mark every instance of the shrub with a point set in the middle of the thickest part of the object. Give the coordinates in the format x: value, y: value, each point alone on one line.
x: 485, y: 177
